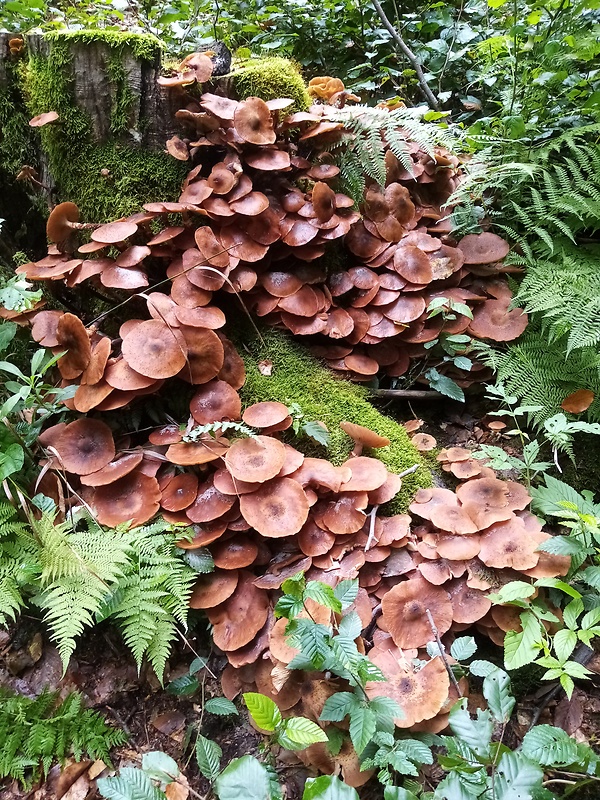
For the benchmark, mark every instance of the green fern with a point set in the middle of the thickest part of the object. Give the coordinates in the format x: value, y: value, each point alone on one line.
x: 369, y: 132
x: 542, y: 373
x: 35, y: 733
x: 153, y: 596
x: 18, y: 563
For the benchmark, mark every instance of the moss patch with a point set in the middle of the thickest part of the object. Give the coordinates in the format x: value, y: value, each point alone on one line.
x: 269, y: 78
x: 297, y: 377
x: 135, y: 176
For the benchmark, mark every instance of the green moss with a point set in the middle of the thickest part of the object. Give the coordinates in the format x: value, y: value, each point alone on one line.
x: 269, y: 78
x: 297, y: 377
x: 78, y: 165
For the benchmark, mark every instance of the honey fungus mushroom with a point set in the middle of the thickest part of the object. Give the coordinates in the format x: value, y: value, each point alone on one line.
x: 405, y: 607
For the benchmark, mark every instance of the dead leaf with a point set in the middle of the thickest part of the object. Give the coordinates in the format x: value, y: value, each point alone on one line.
x: 569, y: 713
x: 265, y: 367
x: 178, y: 790
x: 35, y: 648
x: 79, y: 789
x: 169, y: 722
x: 96, y: 769
x: 578, y: 401
x: 69, y: 775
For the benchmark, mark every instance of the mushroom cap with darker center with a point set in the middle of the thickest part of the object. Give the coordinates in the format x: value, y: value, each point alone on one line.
x: 214, y: 402
x: 237, y: 621
x: 85, y: 446
x: 252, y: 121
x: 279, y: 508
x: 404, y: 610
x: 154, y: 350
x: 134, y: 498
x: 256, y: 459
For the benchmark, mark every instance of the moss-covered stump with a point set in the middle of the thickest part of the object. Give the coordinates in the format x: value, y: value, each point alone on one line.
x: 269, y: 78
x: 105, y: 152
x: 297, y: 377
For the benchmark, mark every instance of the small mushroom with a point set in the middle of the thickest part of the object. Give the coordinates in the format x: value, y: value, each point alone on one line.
x: 363, y: 437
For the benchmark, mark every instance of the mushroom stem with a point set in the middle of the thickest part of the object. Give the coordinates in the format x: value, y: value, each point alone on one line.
x: 357, y: 449
x: 368, y: 631
x: 442, y: 652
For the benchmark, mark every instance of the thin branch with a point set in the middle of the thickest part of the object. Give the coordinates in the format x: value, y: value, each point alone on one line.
x: 438, y: 641
x: 407, y: 394
x: 416, y: 64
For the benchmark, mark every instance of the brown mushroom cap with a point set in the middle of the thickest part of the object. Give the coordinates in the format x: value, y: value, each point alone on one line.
x: 58, y: 228
x: 210, y: 504
x: 234, y: 553
x: 85, y: 446
x: 180, y: 492
x: 114, y: 232
x: 72, y: 336
x: 452, y: 519
x: 404, y: 612
x: 265, y: 414
x: 469, y: 605
x: 279, y: 508
x: 255, y: 459
x: 367, y: 474
x: 214, y: 402
x: 420, y: 694
x: 134, y: 498
x: 252, y: 121
x: 364, y: 436
x: 212, y: 590
x: 113, y: 471
x: 493, y: 320
x: 154, y: 350
x: 577, y: 402
x: 483, y: 248
x: 43, y: 119
x: 508, y: 544
x: 237, y: 621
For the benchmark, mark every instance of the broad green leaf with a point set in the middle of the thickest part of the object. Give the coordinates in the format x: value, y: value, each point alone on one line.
x: 458, y: 787
x: 571, y: 612
x: 303, y: 731
x: 328, y: 787
x: 294, y: 585
x: 335, y: 740
x: 481, y: 668
x: 350, y: 626
x: 556, y: 583
x: 7, y: 333
x: 130, y: 784
x: 197, y: 664
x: 346, y: 592
x: 463, y: 647
x: 160, y: 766
x: 208, y: 756
x: 338, y: 706
x: 521, y: 648
x: 184, y: 686
x: 244, y: 778
x: 567, y: 684
x: 263, y: 711
x: 496, y: 690
x: 515, y: 590
x: 363, y: 724
x: 315, y: 430
x: 200, y: 560
x: 323, y: 594
x: 564, y: 642
x: 386, y: 708
x: 517, y: 777
x: 475, y: 733
x: 220, y: 706
x: 550, y: 746
x: 397, y: 793
x: 11, y: 460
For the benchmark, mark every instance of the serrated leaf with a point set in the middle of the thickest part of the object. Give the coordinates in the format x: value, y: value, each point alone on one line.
x: 386, y: 708
x: 244, y: 778
x: 481, y: 668
x: 550, y: 746
x: 521, y: 648
x: 335, y: 740
x: 200, y: 560
x: 463, y: 647
x: 184, y: 686
x: 338, y: 706
x: 263, y: 711
x: 208, y: 756
x: 496, y: 690
x: 516, y: 777
x: 323, y: 594
x: 315, y: 431
x: 328, y: 787
x: 515, y: 590
x: 475, y: 733
x: 363, y: 724
x: 564, y: 643
x: 197, y: 664
x: 350, y: 626
x: 571, y: 612
x: 346, y: 592
x: 303, y: 731
x: 130, y: 784
x: 220, y: 706
x: 397, y: 793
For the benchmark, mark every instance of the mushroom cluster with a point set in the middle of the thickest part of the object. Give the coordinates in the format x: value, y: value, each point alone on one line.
x: 258, y: 216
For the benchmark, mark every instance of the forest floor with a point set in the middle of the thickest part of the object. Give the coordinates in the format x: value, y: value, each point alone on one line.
x: 154, y: 719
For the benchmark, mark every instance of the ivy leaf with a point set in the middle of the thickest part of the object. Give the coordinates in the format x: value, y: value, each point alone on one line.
x: 263, y: 711
x: 303, y: 731
x: 496, y: 690
x: 521, y: 648
x: 208, y: 756
x: 323, y: 594
x: 220, y: 706
x: 245, y: 778
x: 463, y: 647
x: 328, y: 787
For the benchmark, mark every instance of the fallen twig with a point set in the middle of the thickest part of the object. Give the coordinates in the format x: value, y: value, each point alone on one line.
x: 438, y: 641
x: 408, y: 394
